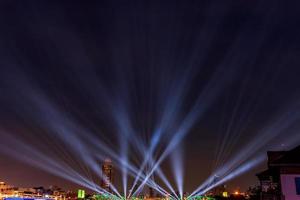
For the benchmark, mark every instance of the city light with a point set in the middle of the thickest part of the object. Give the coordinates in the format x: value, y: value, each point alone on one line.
x: 132, y: 101
x: 225, y: 194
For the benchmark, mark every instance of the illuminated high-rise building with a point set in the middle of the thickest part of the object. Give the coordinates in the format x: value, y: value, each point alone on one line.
x: 107, y: 175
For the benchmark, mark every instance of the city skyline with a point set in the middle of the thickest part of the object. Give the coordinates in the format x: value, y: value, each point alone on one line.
x: 181, y: 96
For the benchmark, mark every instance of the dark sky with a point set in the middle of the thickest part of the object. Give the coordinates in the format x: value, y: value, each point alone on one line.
x: 234, y: 64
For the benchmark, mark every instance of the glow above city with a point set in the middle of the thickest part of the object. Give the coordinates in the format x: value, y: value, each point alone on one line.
x: 176, y: 97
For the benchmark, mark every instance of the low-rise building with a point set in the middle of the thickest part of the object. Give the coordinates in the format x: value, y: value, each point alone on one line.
x: 281, y: 181
x: 18, y: 193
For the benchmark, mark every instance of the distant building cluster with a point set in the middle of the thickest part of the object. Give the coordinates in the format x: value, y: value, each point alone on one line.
x: 281, y: 181
x: 11, y: 192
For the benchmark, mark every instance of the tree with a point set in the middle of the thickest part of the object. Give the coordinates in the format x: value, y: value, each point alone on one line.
x: 254, y: 192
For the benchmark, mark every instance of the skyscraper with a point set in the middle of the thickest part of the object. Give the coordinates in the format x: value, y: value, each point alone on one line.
x: 107, y: 175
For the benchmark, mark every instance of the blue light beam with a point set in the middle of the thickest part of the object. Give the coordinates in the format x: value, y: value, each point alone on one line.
x: 177, y: 168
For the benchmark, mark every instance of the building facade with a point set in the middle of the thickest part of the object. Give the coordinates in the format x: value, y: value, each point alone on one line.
x: 107, y: 175
x: 281, y: 181
x: 8, y: 192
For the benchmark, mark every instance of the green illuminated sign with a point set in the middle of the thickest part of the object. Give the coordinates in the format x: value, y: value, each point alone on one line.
x: 81, y: 194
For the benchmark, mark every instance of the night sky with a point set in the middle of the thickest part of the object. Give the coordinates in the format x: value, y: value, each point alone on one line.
x: 112, y: 68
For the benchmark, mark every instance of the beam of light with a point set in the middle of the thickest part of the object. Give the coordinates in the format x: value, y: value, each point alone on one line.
x: 34, y: 157
x: 121, y: 119
x: 205, y: 99
x: 149, y: 159
x: 165, y: 180
x: 124, y: 156
x: 125, y: 128
x: 232, y: 136
x: 48, y: 116
x: 124, y: 123
x: 184, y: 128
x: 236, y: 172
x: 178, y: 136
x: 174, y: 103
x: 125, y: 134
x: 263, y: 137
x: 268, y: 133
x: 122, y: 162
x: 246, y: 166
x: 66, y: 130
x: 212, y: 86
x: 231, y: 121
x: 116, y: 109
x: 141, y: 176
x: 144, y: 163
x: 182, y: 81
x: 103, y: 93
x: 224, y: 153
x: 177, y: 168
x: 92, y: 163
x: 153, y: 143
x: 215, y: 86
x: 67, y: 134
x: 128, y: 133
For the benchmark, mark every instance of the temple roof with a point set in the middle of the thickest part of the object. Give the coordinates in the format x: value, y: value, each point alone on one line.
x: 291, y: 157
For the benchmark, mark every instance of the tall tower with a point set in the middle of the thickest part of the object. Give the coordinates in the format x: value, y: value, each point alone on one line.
x: 107, y: 175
